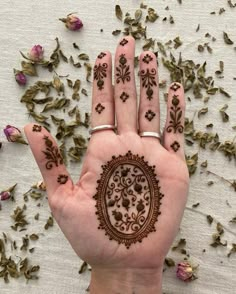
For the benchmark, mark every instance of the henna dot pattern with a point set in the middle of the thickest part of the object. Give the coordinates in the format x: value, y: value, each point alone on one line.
x: 52, y: 153
x: 62, y: 179
x: 123, y: 70
x: 175, y: 146
x: 147, y: 58
x: 101, y: 55
x: 149, y: 115
x: 100, y: 72
x: 123, y: 42
x: 128, y: 199
x: 36, y: 128
x: 124, y: 96
x: 175, y: 87
x: 99, y: 108
x: 148, y: 81
x: 175, y: 116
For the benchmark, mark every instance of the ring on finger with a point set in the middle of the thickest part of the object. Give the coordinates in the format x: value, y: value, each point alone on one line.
x: 102, y: 128
x: 150, y: 134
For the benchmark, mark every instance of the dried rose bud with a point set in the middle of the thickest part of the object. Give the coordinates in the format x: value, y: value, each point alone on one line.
x: 4, y: 195
x: 20, y: 77
x: 186, y: 272
x: 72, y: 22
x: 13, y: 134
x: 36, y: 53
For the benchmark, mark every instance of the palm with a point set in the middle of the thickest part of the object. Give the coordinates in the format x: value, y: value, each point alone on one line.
x: 78, y: 220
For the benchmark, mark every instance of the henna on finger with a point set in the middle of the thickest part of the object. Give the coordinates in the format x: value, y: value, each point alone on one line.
x: 149, y: 115
x: 99, y: 108
x: 101, y: 55
x: 123, y: 70
x: 149, y: 81
x: 124, y: 42
x: 36, y: 128
x: 147, y: 58
x: 100, y: 72
x: 128, y: 199
x: 175, y: 146
x: 62, y: 179
x: 52, y: 153
x: 124, y: 96
x: 175, y: 116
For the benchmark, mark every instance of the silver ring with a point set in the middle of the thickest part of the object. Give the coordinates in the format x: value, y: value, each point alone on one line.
x: 150, y: 134
x: 102, y: 128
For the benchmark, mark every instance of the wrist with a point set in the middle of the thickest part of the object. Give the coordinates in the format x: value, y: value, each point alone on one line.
x: 129, y: 281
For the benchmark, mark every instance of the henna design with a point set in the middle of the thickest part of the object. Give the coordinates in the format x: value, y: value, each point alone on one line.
x: 62, y: 179
x: 123, y: 42
x: 147, y: 58
x: 101, y: 55
x: 175, y: 115
x: 149, y: 115
x: 148, y: 81
x: 128, y: 199
x: 100, y: 72
x: 123, y: 71
x: 99, y: 108
x: 52, y: 154
x: 175, y: 87
x: 36, y: 128
x: 175, y: 146
x: 124, y: 96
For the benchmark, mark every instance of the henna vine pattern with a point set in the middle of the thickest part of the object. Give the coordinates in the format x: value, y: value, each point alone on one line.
x: 149, y: 115
x: 123, y: 42
x: 149, y: 81
x: 175, y: 146
x: 147, y: 58
x: 175, y: 87
x: 123, y: 70
x: 124, y: 96
x: 36, y: 128
x: 101, y: 55
x: 100, y: 72
x: 52, y: 154
x: 128, y: 199
x: 175, y: 115
x: 99, y: 108
x: 62, y: 179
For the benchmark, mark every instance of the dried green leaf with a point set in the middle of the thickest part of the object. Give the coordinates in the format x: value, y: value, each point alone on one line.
x: 83, y: 57
x: 118, y: 11
x: 89, y: 70
x: 202, y: 111
x: 77, y: 65
x: 169, y: 262
x: 171, y: 19
x: 180, y: 244
x: 83, y: 267
x: 138, y: 15
x: 84, y: 91
x: 224, y: 115
x: 227, y: 39
x: 222, y: 91
x: 196, y: 205
x: 210, y: 219
x: 49, y: 223
x: 232, y: 250
x: 63, y: 56
x: 29, y: 68
x: 204, y: 164
x: 75, y: 46
x: 34, y: 237
x: 152, y: 15
x: 116, y: 32
x: 177, y: 42
x: 212, y: 91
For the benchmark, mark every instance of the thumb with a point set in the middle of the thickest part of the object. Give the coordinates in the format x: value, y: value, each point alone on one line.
x: 48, y: 158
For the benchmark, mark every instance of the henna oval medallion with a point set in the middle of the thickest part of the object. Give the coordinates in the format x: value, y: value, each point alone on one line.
x: 128, y: 199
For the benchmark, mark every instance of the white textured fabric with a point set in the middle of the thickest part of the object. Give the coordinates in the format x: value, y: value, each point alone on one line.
x: 26, y: 23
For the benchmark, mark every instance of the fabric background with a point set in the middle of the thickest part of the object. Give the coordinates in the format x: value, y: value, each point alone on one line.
x: 26, y: 23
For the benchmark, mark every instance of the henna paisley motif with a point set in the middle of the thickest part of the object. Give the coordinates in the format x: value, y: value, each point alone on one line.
x: 128, y: 199
x: 52, y: 153
x: 100, y: 72
x: 149, y: 81
x: 123, y: 70
x: 175, y: 116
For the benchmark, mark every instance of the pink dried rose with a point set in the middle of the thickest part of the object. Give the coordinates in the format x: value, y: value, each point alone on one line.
x: 36, y: 53
x: 20, y: 77
x: 186, y: 272
x: 72, y: 22
x: 13, y: 134
x: 4, y: 195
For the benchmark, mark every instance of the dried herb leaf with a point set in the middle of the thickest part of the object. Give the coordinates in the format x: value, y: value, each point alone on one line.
x: 227, y: 39
x: 202, y: 111
x: 119, y: 13
x: 29, y: 68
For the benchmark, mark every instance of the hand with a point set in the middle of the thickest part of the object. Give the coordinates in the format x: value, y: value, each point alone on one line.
x: 129, y: 263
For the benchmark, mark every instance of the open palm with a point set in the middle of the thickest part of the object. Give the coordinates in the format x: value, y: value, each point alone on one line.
x: 73, y: 205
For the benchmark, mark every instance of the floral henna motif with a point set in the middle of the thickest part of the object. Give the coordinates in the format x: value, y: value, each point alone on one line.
x: 123, y: 42
x: 123, y: 70
x: 99, y: 108
x: 101, y: 55
x: 128, y: 199
x: 175, y: 116
x: 62, y: 179
x: 149, y: 115
x: 149, y: 81
x: 36, y: 128
x: 175, y: 87
x: 124, y: 96
x: 100, y: 72
x: 147, y: 58
x: 175, y: 146
x: 52, y: 153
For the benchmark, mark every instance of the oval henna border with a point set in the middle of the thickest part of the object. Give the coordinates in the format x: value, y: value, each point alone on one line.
x: 155, y: 199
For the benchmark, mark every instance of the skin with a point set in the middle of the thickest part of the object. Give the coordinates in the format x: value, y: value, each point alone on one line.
x: 114, y: 267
